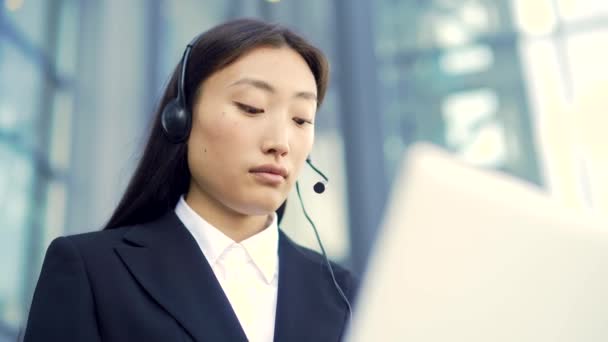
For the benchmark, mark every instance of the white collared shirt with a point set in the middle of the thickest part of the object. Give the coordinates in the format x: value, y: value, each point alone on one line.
x: 247, y: 271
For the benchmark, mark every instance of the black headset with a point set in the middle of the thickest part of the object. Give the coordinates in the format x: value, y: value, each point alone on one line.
x: 176, y: 121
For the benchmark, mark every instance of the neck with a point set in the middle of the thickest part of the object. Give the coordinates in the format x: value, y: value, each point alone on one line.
x: 235, y: 225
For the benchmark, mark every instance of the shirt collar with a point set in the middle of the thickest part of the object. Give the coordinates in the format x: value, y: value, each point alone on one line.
x: 261, y: 247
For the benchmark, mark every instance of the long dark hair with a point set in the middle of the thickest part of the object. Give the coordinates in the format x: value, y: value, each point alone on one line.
x: 162, y: 174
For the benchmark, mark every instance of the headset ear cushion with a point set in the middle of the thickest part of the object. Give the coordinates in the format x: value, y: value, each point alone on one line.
x: 176, y: 122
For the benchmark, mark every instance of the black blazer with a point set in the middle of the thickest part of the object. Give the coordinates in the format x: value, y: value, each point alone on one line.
x: 151, y: 282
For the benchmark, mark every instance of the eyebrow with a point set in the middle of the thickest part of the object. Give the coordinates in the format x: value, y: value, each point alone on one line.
x: 265, y: 86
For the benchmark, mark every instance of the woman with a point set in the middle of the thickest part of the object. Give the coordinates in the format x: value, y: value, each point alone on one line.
x: 193, y: 252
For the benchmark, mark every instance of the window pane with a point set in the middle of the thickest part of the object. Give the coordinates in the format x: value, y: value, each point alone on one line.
x: 24, y: 163
x: 15, y: 187
x: 19, y: 95
x: 534, y: 17
x: 67, y: 38
x: 590, y: 105
x: 60, y: 132
x: 181, y: 22
x: 27, y: 18
x: 450, y: 74
x: 578, y: 10
x: 20, y: 82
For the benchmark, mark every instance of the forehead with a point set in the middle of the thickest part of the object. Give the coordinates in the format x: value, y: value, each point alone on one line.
x: 283, y: 68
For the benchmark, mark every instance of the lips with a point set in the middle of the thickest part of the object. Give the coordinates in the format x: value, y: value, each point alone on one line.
x: 269, y: 174
x: 270, y: 169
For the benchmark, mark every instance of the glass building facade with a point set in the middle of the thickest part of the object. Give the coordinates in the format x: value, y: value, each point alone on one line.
x: 513, y: 85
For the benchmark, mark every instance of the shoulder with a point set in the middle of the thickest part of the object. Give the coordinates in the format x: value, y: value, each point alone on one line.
x: 317, y: 258
x: 345, y: 277
x: 86, y: 246
x: 95, y: 239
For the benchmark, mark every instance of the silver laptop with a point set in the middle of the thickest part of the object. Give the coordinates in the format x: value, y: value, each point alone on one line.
x: 470, y: 255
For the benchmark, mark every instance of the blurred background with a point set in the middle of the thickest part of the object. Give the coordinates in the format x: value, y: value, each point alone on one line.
x: 513, y: 85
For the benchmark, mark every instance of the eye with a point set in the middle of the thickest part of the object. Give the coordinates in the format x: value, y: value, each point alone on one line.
x: 248, y: 109
x: 301, y: 122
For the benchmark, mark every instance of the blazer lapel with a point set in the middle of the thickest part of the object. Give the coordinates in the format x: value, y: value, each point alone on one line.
x: 308, y: 308
x: 166, y: 260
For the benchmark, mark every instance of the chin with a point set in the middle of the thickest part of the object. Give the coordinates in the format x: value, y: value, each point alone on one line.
x: 263, y: 206
x: 257, y: 210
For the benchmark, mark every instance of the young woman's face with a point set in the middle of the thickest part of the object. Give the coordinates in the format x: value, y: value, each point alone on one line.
x: 252, y: 130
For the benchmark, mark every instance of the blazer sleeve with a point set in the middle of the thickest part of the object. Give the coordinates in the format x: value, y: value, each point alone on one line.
x: 62, y: 307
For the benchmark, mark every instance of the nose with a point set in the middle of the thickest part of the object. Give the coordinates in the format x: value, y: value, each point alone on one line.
x: 276, y: 140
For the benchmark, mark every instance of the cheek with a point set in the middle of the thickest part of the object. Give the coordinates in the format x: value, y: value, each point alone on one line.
x: 305, y: 141
x: 212, y: 130
x: 217, y: 140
